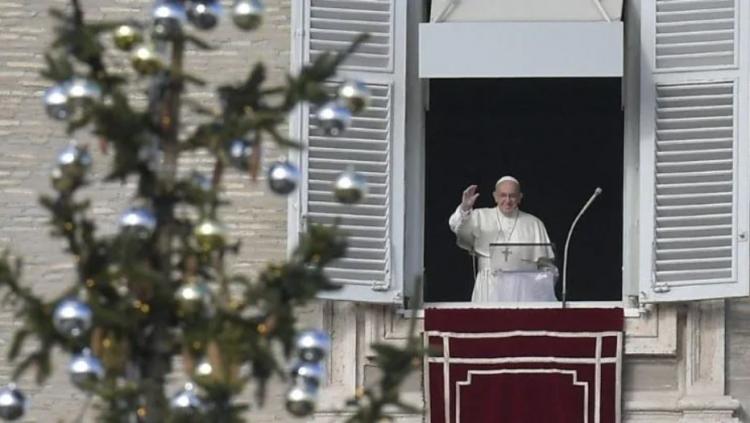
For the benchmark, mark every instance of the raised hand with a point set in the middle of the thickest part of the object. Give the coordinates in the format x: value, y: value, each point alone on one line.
x: 469, y: 197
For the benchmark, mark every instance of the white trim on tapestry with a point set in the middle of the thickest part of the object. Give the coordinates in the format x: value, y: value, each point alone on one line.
x: 596, y: 360
x: 618, y: 385
x: 573, y: 373
x: 598, y: 377
x: 512, y: 333
x: 529, y: 359
x: 446, y: 377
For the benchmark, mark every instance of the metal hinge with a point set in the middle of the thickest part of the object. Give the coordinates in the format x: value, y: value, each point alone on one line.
x: 661, y: 287
x: 383, y: 285
x: 379, y: 286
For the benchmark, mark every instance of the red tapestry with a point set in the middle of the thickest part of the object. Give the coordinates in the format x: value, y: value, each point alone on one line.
x: 524, y: 365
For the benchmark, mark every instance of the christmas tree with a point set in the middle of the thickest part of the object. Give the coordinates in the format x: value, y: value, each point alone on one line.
x: 159, y: 289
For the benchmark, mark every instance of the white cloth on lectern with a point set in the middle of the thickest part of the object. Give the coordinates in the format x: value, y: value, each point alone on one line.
x: 513, y: 286
x: 476, y: 229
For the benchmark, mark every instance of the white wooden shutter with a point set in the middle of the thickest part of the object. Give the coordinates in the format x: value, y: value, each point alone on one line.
x: 373, y: 144
x: 694, y: 136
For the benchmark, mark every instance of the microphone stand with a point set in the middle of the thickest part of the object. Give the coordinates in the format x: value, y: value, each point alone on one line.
x: 596, y: 193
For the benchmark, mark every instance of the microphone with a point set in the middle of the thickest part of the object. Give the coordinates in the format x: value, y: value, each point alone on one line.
x: 596, y: 193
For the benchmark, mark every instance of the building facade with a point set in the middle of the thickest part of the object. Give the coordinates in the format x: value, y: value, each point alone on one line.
x: 685, y: 259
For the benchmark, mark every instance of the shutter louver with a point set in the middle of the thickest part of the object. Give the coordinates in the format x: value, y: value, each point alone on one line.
x: 333, y: 24
x: 695, y: 33
x: 366, y: 146
x: 694, y: 183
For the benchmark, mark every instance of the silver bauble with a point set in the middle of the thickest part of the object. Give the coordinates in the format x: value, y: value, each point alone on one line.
x: 82, y: 92
x: 247, y: 14
x: 74, y: 161
x: 333, y: 117
x: 85, y: 370
x: 146, y: 60
x: 72, y: 318
x: 300, y: 399
x: 60, y: 182
x: 56, y: 102
x: 349, y: 187
x: 203, y: 371
x: 12, y: 403
x: 355, y: 95
x: 313, y: 345
x: 186, y: 402
x: 168, y: 18
x: 204, y: 14
x: 308, y: 372
x: 193, y: 298
x: 240, y: 151
x: 126, y: 37
x: 283, y: 177
x: 210, y: 234
x: 139, y: 222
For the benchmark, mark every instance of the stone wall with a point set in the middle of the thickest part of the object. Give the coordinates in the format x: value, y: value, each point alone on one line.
x: 738, y: 354
x: 29, y: 143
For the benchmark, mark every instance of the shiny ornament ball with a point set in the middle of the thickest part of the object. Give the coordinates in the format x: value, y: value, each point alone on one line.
x: 210, y: 234
x: 12, y: 403
x: 56, y: 102
x: 349, y: 187
x: 204, y: 14
x: 146, y: 61
x: 204, y: 371
x: 283, y: 177
x: 300, y: 400
x: 126, y: 37
x: 308, y: 372
x: 333, y: 118
x: 139, y: 222
x: 193, y: 298
x: 74, y: 161
x: 186, y: 402
x: 355, y: 95
x: 85, y: 370
x: 313, y: 345
x: 83, y: 92
x: 240, y: 151
x: 168, y: 18
x: 60, y: 182
x: 72, y: 318
x: 247, y: 14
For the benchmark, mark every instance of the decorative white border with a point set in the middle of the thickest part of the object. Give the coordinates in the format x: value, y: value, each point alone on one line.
x: 597, y: 360
x: 446, y: 378
x: 573, y: 373
x: 524, y: 359
x: 513, y: 333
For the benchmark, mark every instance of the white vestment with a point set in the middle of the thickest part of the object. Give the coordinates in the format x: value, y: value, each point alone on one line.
x: 477, y: 229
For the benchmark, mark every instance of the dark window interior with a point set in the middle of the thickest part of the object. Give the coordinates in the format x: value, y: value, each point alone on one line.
x: 561, y: 137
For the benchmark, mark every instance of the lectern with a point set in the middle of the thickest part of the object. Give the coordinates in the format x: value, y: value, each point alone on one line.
x: 522, y: 272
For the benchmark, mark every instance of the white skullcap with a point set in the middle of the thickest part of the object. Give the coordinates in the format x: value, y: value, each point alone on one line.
x: 507, y: 178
